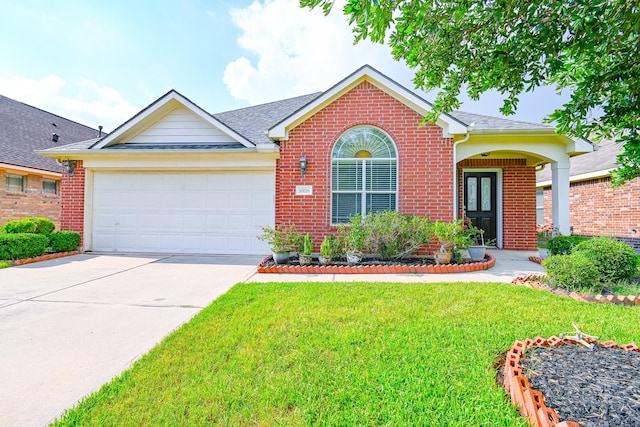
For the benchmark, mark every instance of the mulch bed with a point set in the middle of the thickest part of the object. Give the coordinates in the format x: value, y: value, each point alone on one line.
x: 596, y: 388
x: 367, y: 261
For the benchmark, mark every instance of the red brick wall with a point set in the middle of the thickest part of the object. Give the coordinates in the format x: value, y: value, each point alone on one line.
x: 31, y: 202
x: 518, y: 200
x: 424, y: 160
x: 72, y: 193
x: 596, y: 209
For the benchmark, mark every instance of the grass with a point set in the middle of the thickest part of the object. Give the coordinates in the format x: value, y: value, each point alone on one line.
x: 346, y: 354
x: 5, y: 264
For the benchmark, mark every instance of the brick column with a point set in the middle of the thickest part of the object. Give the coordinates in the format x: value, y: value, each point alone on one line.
x: 72, y: 194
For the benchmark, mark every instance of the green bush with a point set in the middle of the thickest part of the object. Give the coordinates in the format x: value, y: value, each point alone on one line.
x: 64, y: 241
x: 391, y: 234
x: 22, y: 245
x: 563, y: 245
x: 573, y: 272
x: 34, y: 225
x: 615, y: 260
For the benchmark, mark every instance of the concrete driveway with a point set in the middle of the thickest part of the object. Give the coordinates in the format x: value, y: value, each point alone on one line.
x: 69, y: 325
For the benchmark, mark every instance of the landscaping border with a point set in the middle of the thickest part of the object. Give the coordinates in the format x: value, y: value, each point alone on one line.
x: 45, y: 257
x: 530, y: 402
x: 489, y: 262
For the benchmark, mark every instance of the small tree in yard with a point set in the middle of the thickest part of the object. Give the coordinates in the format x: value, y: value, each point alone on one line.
x: 588, y: 47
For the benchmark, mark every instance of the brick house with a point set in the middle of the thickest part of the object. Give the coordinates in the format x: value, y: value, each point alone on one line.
x: 175, y: 178
x: 29, y: 183
x: 596, y: 209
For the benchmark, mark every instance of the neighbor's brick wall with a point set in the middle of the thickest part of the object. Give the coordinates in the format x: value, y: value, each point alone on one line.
x: 596, y: 209
x: 72, y: 193
x: 424, y: 160
x: 31, y: 202
x: 518, y: 200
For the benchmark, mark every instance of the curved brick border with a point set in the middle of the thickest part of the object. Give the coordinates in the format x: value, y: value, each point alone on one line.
x: 533, y: 281
x: 530, y: 402
x: 43, y: 258
x: 489, y: 262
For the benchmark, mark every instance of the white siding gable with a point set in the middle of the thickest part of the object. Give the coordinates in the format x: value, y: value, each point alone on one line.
x: 181, y: 126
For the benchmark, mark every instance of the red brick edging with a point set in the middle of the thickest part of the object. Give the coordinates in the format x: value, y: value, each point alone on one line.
x: 533, y: 281
x: 45, y: 257
x: 489, y: 262
x: 530, y: 402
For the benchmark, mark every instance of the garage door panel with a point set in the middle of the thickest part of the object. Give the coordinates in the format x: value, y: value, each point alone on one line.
x: 182, y: 212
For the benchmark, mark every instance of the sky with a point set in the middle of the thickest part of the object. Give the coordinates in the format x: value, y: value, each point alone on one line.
x: 101, y: 62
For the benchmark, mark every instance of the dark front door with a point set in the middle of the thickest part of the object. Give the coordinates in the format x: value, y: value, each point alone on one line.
x: 480, y: 201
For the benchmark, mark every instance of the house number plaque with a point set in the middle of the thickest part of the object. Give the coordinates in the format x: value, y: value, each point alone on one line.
x: 304, y: 190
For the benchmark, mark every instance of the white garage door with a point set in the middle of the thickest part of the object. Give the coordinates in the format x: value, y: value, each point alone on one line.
x: 215, y: 213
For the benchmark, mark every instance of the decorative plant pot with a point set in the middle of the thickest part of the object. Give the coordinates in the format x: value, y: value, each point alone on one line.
x: 543, y: 253
x: 281, y: 257
x: 477, y: 253
x: 442, y: 257
x: 305, y: 259
x: 324, y: 260
x: 354, y: 258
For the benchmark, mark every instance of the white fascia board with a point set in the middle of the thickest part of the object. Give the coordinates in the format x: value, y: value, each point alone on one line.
x: 582, y: 177
x: 29, y: 171
x: 382, y: 82
x: 161, y: 107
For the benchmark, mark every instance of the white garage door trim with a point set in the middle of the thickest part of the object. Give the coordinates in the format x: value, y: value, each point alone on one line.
x: 180, y: 212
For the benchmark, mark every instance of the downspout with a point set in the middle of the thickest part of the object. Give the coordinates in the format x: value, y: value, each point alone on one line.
x: 455, y: 171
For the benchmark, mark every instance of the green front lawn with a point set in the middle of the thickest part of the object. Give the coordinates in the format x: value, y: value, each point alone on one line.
x: 344, y: 354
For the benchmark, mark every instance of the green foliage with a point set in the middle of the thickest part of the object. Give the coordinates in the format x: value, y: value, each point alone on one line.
x: 354, y: 235
x: 343, y: 354
x: 22, y: 245
x: 588, y: 48
x: 391, y: 234
x: 281, y: 238
x: 615, y: 260
x: 562, y: 245
x: 36, y: 225
x: 307, y: 245
x: 326, y: 248
x: 574, y: 273
x: 64, y: 241
x: 452, y: 235
x: 5, y: 264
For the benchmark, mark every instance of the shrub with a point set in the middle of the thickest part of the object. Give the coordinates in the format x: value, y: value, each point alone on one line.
x: 34, y: 225
x: 354, y: 235
x: 615, y: 260
x: 391, y: 234
x: 22, y: 245
x: 64, y: 241
x: 563, y: 245
x: 573, y: 272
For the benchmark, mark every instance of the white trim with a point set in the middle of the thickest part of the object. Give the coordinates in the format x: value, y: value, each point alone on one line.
x: 367, y: 73
x: 160, y: 108
x: 581, y: 177
x: 499, y: 199
x: 87, y: 241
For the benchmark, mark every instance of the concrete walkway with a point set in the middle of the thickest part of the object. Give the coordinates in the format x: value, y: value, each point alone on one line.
x: 69, y: 325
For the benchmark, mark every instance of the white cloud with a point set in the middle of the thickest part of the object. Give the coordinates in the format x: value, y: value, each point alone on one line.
x: 298, y: 51
x: 88, y: 103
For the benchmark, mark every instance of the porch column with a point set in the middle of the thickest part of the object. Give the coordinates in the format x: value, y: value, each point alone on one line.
x: 560, y: 196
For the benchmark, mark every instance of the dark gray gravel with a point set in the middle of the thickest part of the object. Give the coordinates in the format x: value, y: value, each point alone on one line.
x: 595, y: 388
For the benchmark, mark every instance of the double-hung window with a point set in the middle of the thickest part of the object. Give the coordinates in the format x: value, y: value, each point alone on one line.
x: 15, y: 183
x: 364, y: 174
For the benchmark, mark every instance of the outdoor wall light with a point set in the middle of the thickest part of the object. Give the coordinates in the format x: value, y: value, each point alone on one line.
x: 303, y: 164
x: 69, y: 166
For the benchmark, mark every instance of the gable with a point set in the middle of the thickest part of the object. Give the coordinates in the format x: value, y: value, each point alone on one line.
x: 181, y: 126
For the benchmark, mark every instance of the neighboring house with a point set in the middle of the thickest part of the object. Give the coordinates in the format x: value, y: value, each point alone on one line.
x: 29, y: 183
x: 175, y: 178
x: 597, y: 209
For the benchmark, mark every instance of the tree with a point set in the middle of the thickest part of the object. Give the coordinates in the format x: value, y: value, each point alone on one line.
x: 590, y: 47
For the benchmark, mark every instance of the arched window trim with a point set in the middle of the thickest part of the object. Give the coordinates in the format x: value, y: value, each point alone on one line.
x: 363, y: 174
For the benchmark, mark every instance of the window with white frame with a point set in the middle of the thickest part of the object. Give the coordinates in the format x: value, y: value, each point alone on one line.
x: 364, y: 174
x: 15, y: 183
x: 50, y: 187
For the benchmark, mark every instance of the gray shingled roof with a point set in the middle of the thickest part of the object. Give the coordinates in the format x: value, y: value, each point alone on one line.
x: 24, y: 129
x: 602, y: 159
x: 254, y: 122
x: 481, y: 121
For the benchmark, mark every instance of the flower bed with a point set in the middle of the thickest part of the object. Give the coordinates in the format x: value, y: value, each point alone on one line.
x: 568, y: 378
x: 267, y: 266
x: 45, y: 257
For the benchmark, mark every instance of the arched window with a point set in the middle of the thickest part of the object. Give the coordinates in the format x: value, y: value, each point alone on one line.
x: 364, y: 174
